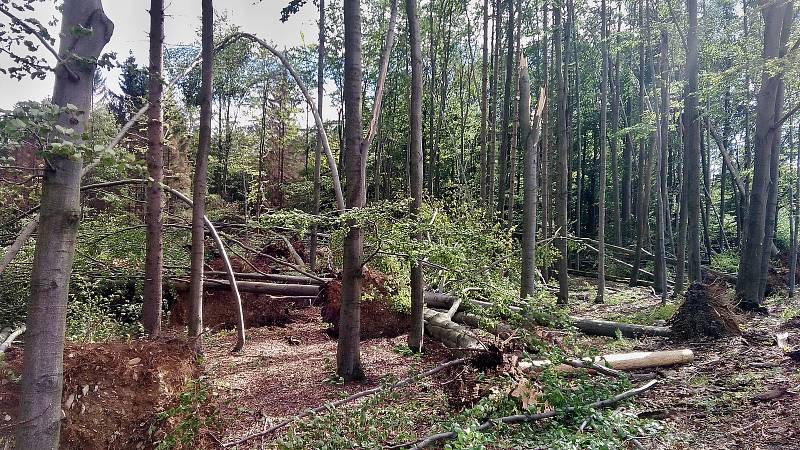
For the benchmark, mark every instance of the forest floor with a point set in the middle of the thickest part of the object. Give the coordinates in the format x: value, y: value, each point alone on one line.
x: 740, y: 392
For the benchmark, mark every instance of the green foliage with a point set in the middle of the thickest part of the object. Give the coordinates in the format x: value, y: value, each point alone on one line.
x: 100, y: 310
x: 727, y: 261
x: 179, y: 426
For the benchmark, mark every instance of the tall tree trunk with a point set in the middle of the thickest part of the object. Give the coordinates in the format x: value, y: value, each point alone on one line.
x: 683, y: 219
x: 563, y: 150
x: 484, y: 100
x: 200, y: 184
x: 661, y: 169
x: 492, y: 157
x: 529, y: 136
x: 415, y: 334
x: 505, y: 141
x: 348, y: 352
x: 615, y: 188
x: 515, y: 128
x: 758, y: 237
x: 795, y: 211
x: 154, y: 257
x: 692, y: 145
x: 545, y: 147
x: 432, y: 106
x: 601, y: 204
x: 43, y: 373
x: 313, y: 244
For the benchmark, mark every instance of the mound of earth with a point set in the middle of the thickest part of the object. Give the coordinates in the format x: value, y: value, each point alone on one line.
x: 112, y: 391
x: 706, y: 312
x: 219, y: 309
x: 379, y: 318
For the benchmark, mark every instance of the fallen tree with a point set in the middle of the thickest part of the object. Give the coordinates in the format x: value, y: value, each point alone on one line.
x: 439, y: 326
x: 290, y: 290
x: 622, y: 361
x: 276, y: 277
x: 584, y: 325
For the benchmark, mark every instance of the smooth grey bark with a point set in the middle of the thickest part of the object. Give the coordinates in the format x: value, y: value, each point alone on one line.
x: 505, y: 141
x: 545, y: 147
x: 482, y: 169
x: 661, y: 169
x: 200, y: 181
x: 154, y: 254
x: 312, y: 247
x: 415, y: 334
x: 42, y: 379
x: 692, y: 154
x: 529, y: 134
x: 348, y: 350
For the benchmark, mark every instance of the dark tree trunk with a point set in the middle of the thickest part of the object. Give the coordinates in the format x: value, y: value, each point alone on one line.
x: 692, y: 146
x: 601, y: 204
x: 484, y: 100
x: 200, y: 184
x: 683, y: 220
x: 492, y: 156
x: 415, y: 334
x: 505, y: 141
x: 154, y: 257
x: 562, y: 166
x: 348, y: 352
x: 545, y: 147
x: 661, y: 170
x: 529, y: 133
x: 615, y: 188
x: 43, y: 373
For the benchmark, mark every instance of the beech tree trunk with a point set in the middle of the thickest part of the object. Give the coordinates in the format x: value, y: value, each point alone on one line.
x: 312, y: 248
x: 200, y: 182
x: 415, y: 334
x: 484, y: 107
x: 505, y: 141
x: 43, y: 373
x: 348, y: 351
x: 661, y: 170
x: 545, y: 147
x: 154, y: 257
x: 692, y: 155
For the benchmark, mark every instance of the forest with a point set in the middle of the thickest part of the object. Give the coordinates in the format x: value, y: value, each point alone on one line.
x: 450, y: 224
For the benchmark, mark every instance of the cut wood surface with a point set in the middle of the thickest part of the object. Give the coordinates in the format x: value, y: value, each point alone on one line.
x: 626, y: 361
x: 297, y: 290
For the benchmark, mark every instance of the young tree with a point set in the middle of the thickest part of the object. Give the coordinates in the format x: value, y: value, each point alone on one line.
x: 42, y: 374
x: 562, y: 156
x: 200, y: 182
x: 415, y: 334
x: 348, y: 352
x: 154, y: 257
x: 312, y: 248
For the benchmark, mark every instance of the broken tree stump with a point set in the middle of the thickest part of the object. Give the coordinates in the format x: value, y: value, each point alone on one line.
x: 705, y: 312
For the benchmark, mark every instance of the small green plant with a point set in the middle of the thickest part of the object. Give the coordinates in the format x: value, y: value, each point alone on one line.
x: 179, y: 426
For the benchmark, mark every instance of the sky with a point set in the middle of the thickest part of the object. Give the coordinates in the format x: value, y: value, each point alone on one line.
x: 132, y: 22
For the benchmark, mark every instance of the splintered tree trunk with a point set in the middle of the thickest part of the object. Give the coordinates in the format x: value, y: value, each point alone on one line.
x: 692, y: 146
x: 561, y: 133
x: 415, y: 334
x: 43, y: 373
x: 348, y: 352
x: 749, y: 281
x: 154, y: 258
x: 484, y: 100
x: 200, y: 182
x: 529, y: 137
x: 601, y: 204
x: 312, y: 248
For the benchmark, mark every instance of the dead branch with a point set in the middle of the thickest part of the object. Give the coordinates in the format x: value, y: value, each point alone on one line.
x: 522, y: 418
x: 10, y: 339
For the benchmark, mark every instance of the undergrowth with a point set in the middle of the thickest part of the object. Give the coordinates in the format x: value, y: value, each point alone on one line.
x: 179, y: 427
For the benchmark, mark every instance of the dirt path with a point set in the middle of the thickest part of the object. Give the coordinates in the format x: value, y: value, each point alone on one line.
x: 285, y: 370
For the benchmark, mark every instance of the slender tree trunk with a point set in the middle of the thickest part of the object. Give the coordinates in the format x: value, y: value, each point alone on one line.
x: 615, y: 98
x: 154, y: 257
x: 415, y: 334
x: 348, y: 353
x: 529, y: 138
x: 484, y: 100
x: 43, y: 373
x: 200, y: 184
x: 505, y: 141
x: 515, y: 128
x: 601, y: 204
x: 661, y: 169
x: 545, y: 147
x: 795, y: 212
x: 692, y: 145
x: 313, y: 244
x: 561, y: 133
x: 683, y: 220
x: 492, y: 157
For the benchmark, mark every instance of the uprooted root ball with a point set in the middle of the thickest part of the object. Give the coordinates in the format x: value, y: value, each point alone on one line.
x: 705, y: 312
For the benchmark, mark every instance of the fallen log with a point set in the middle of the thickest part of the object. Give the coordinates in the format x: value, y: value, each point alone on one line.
x: 10, y: 338
x: 276, y: 277
x: 585, y: 325
x: 291, y: 290
x: 623, y: 361
x: 449, y: 333
x: 521, y: 418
